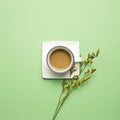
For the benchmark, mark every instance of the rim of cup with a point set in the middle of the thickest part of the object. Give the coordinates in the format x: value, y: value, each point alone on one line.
x: 57, y: 48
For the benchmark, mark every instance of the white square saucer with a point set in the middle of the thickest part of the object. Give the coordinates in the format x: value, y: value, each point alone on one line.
x: 73, y: 46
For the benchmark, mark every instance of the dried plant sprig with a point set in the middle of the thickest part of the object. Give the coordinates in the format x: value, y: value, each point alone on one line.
x: 68, y: 86
x: 72, y: 69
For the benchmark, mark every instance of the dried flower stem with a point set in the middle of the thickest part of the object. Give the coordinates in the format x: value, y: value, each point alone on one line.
x: 68, y: 86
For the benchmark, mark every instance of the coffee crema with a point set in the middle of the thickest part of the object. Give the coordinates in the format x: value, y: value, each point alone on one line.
x: 60, y: 59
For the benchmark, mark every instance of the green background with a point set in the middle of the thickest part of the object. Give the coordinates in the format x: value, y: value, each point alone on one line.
x: 24, y: 24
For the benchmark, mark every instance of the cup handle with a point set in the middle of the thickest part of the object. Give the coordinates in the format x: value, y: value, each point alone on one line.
x: 78, y: 60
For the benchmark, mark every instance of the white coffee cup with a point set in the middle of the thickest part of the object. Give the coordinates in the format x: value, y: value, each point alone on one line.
x: 63, y: 55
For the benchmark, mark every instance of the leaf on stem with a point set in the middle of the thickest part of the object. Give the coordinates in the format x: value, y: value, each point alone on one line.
x: 98, y: 51
x: 93, y: 70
